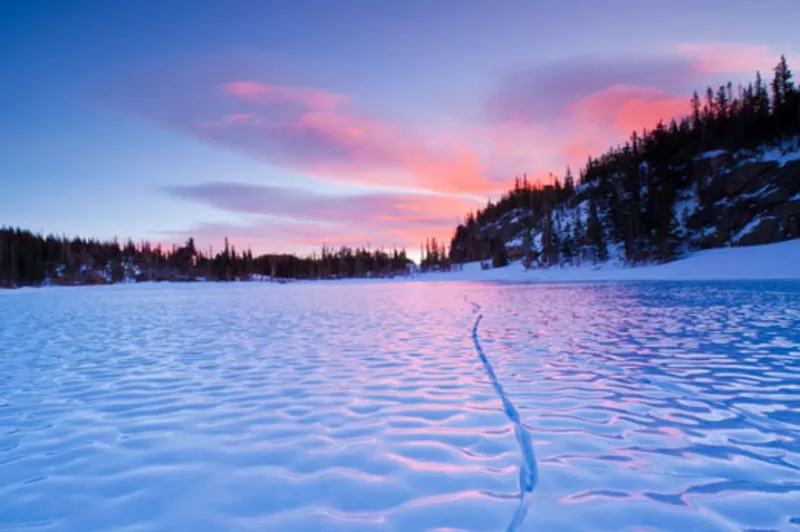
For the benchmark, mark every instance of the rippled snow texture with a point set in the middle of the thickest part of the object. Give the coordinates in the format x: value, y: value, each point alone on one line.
x: 366, y: 407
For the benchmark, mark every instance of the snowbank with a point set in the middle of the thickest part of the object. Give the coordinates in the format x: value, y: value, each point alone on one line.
x: 771, y: 261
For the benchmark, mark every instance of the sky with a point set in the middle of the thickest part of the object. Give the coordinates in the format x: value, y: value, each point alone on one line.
x: 287, y: 125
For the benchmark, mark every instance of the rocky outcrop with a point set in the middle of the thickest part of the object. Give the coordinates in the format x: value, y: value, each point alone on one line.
x: 766, y: 194
x: 709, y: 165
x: 508, y: 226
x: 745, y: 177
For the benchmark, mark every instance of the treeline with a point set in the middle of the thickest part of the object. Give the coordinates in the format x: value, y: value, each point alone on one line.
x: 627, y: 196
x: 341, y: 263
x: 434, y: 256
x: 29, y: 259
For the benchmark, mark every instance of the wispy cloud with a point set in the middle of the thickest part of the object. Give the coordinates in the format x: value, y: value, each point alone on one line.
x: 307, y: 205
x: 709, y: 58
x: 545, y: 92
x: 299, y: 217
x: 315, y: 131
x: 627, y: 108
x: 306, y: 97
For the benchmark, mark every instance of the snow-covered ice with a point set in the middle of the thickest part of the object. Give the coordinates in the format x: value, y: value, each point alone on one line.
x: 334, y: 406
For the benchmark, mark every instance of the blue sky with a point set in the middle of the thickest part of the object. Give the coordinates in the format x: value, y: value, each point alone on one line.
x: 119, y: 115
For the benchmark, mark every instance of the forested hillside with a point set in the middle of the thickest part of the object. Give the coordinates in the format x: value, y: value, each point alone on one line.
x: 727, y: 174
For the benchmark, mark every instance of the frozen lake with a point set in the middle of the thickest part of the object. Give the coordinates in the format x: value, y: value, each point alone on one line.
x: 368, y: 407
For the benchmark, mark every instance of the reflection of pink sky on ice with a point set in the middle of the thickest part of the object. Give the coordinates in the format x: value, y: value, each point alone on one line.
x: 324, y: 405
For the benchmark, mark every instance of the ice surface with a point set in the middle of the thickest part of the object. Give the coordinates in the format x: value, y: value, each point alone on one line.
x: 334, y: 406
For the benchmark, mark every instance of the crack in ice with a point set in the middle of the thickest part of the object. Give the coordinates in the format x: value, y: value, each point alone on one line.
x: 527, y: 469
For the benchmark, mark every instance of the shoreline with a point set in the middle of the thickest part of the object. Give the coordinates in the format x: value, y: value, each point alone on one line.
x: 779, y: 261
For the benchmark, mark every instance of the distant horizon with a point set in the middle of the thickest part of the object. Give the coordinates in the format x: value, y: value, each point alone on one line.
x: 284, y: 127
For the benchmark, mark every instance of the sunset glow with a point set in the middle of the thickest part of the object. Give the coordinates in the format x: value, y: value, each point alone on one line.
x: 238, y: 127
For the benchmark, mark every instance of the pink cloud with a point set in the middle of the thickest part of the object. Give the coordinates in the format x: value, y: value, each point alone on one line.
x: 708, y: 58
x: 638, y: 113
x: 263, y: 93
x: 576, y: 150
x: 231, y: 119
x: 628, y: 108
x: 345, y: 146
x: 545, y: 93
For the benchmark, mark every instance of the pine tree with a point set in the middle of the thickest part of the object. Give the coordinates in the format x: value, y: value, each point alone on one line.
x: 784, y: 99
x: 567, y: 244
x: 594, y: 232
x: 577, y: 235
x: 547, y: 238
x: 555, y: 242
x: 499, y: 253
x: 569, y: 183
x: 721, y: 104
x: 695, y: 103
x: 762, y: 109
x: 527, y: 244
x: 3, y: 271
x: 13, y: 272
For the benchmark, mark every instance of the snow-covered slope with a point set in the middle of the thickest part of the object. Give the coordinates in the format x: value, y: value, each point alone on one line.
x: 771, y: 261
